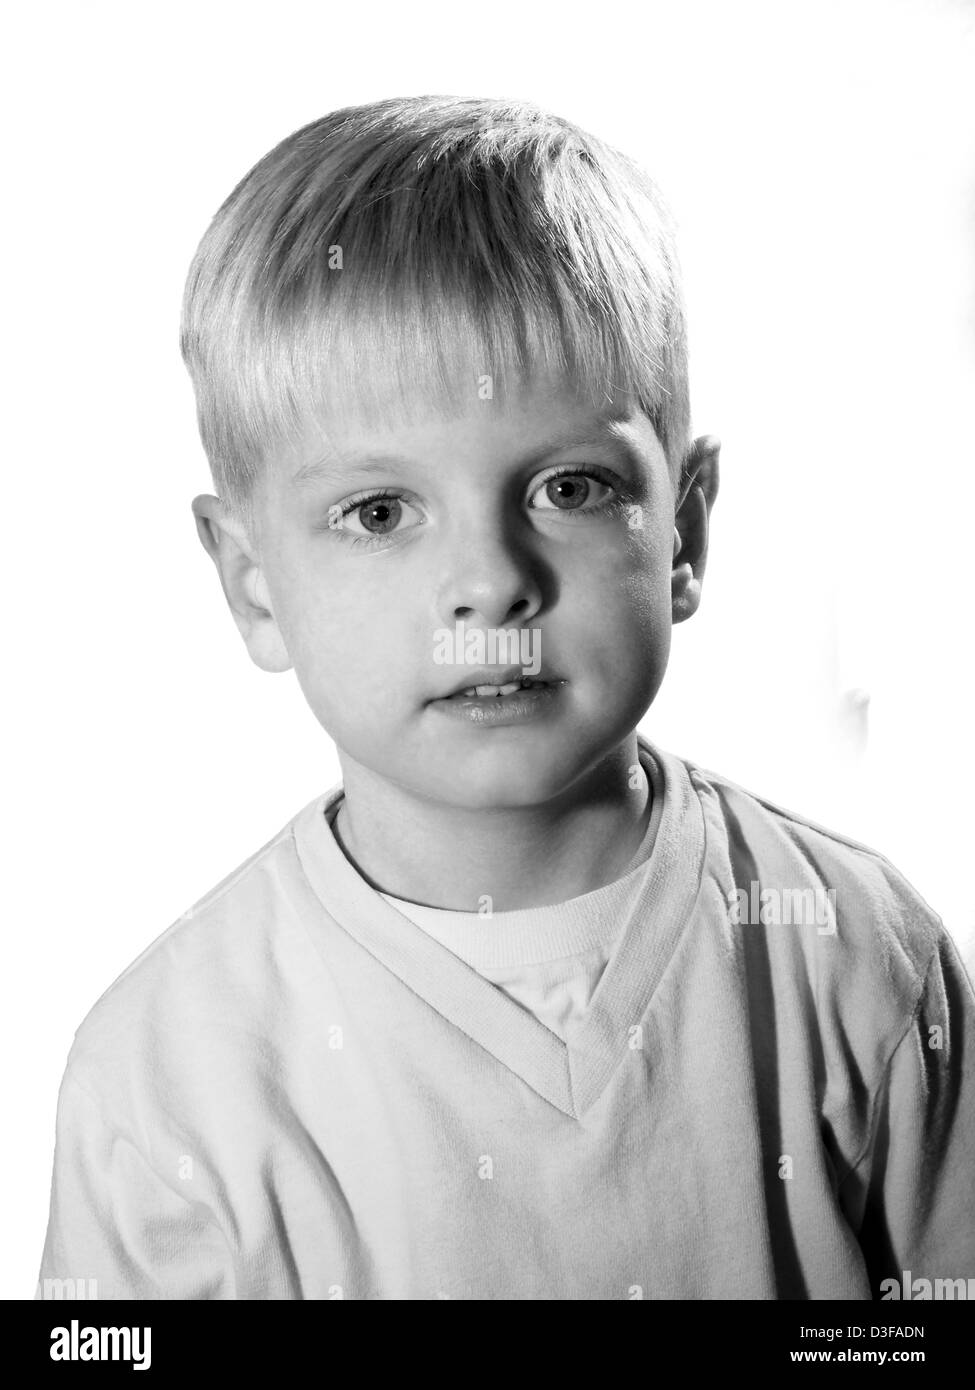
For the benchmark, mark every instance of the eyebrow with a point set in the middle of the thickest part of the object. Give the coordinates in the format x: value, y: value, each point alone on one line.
x: 337, y: 467
x: 332, y: 466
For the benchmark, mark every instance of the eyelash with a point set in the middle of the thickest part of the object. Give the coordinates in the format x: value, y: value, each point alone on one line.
x: 372, y: 542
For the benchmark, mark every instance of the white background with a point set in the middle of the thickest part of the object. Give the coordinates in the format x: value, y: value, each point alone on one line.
x: 819, y: 159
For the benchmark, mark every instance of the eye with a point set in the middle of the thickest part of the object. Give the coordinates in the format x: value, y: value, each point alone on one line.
x: 372, y: 517
x: 570, y: 490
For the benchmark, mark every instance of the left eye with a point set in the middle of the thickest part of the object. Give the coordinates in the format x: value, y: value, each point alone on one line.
x: 568, y: 492
x: 376, y: 516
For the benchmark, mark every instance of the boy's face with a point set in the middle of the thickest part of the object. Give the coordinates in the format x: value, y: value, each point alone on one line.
x: 476, y: 530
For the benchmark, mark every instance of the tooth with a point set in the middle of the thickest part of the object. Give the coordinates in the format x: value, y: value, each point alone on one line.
x: 496, y: 691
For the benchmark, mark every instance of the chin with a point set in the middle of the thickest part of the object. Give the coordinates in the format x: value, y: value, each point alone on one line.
x: 503, y: 778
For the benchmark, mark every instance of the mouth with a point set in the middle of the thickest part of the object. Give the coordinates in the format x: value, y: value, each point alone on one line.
x: 501, y: 687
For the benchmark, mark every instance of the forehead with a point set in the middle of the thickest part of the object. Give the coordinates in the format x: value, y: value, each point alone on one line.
x: 543, y: 418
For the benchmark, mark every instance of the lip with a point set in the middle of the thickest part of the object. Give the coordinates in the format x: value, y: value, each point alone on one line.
x: 497, y: 675
x: 496, y: 710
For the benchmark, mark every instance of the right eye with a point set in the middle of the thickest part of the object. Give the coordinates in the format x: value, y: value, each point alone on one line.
x: 370, y: 517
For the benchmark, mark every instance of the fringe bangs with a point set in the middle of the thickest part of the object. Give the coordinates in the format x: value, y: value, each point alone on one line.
x: 417, y: 256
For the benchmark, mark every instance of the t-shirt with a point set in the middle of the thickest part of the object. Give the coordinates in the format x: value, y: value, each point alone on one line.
x: 550, y: 963
x: 296, y: 1092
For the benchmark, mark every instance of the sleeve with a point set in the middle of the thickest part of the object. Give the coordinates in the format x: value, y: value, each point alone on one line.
x: 116, y: 1229
x: 915, y: 1185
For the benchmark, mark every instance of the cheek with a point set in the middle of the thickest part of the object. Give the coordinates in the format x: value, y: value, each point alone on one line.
x: 628, y: 585
x: 645, y: 605
x: 619, y: 611
x: 347, y: 641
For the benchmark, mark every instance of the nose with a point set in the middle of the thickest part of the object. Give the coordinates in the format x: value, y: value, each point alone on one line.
x: 491, y: 576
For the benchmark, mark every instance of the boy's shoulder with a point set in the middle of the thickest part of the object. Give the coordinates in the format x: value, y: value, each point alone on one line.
x: 878, y: 924
x: 211, y: 968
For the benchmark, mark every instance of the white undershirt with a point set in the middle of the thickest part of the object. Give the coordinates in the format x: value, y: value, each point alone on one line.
x: 548, y: 959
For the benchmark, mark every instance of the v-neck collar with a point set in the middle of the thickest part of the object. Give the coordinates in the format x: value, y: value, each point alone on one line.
x: 570, y: 1075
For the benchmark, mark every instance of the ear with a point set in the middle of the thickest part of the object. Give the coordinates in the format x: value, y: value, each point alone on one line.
x: 697, y: 490
x: 227, y: 543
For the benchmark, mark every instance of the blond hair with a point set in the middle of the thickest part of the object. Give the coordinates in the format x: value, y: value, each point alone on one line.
x: 400, y: 252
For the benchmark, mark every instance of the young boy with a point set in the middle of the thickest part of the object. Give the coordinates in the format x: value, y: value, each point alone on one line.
x: 526, y: 1007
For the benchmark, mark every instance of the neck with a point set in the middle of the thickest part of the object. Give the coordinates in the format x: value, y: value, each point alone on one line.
x: 518, y: 857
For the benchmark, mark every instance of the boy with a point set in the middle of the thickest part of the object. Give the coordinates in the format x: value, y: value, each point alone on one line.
x: 526, y: 1007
